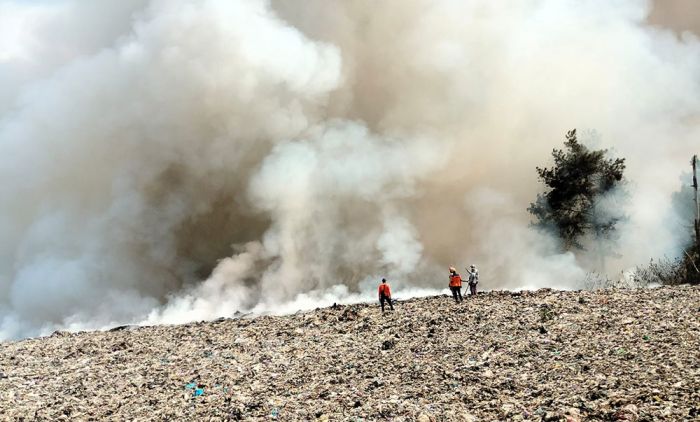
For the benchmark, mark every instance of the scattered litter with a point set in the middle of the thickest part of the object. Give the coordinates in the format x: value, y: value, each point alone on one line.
x: 543, y: 355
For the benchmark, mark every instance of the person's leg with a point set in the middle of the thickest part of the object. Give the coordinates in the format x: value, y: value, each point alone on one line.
x: 391, y: 303
x: 459, y: 293
x: 454, y: 293
x: 381, y: 302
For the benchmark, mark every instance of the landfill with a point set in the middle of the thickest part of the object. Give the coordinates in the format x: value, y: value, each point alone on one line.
x: 545, y: 355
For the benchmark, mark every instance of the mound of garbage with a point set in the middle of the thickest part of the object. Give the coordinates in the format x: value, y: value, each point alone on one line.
x: 547, y: 355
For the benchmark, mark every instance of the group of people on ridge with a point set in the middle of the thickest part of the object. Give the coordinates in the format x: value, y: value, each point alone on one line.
x: 455, y: 286
x: 456, y: 282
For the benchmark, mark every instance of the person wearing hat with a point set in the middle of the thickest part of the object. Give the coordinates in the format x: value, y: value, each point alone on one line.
x: 385, y: 294
x: 456, y: 285
x: 473, y: 279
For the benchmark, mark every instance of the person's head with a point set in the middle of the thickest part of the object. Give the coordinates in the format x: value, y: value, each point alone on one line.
x: 473, y: 267
x: 384, y: 280
x: 452, y: 270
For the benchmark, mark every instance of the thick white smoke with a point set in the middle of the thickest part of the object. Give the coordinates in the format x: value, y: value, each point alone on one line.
x: 166, y: 161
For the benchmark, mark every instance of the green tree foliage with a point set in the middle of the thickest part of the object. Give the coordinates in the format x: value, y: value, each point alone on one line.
x: 575, y: 187
x: 683, y: 212
x: 687, y: 267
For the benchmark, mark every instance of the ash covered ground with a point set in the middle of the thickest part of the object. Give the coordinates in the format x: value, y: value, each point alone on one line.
x: 544, y: 355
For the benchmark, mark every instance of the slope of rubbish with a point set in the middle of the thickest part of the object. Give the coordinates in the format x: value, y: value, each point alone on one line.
x: 536, y: 356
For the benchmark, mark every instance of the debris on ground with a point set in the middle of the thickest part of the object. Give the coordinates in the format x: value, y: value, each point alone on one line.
x: 625, y: 355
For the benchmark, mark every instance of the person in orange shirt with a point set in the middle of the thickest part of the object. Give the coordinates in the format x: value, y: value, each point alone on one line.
x: 456, y: 285
x: 385, y: 294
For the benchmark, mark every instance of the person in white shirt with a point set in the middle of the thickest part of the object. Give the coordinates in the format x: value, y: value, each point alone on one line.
x: 473, y: 274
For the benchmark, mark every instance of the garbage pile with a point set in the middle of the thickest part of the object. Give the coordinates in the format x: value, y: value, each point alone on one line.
x: 627, y: 355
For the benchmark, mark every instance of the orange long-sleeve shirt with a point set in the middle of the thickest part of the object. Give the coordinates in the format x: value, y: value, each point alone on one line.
x: 384, y: 290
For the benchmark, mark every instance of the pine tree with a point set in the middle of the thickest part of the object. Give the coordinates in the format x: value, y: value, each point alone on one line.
x: 575, y: 187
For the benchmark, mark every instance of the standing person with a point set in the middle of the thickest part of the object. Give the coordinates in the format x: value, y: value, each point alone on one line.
x: 473, y: 279
x: 385, y: 294
x: 456, y: 285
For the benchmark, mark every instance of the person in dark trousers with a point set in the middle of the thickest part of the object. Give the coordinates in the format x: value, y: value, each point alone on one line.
x: 385, y: 294
x: 456, y: 285
x: 473, y: 279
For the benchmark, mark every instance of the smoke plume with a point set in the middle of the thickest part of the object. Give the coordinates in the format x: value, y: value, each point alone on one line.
x: 167, y: 161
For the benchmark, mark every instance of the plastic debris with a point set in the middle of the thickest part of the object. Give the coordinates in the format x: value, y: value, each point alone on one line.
x: 620, y: 355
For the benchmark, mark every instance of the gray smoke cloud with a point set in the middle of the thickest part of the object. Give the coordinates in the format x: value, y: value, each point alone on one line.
x: 168, y: 161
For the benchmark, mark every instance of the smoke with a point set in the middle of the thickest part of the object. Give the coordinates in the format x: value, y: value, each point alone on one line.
x: 680, y: 15
x: 166, y: 161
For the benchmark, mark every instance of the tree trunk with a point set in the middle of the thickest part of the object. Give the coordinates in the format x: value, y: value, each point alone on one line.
x: 697, y: 205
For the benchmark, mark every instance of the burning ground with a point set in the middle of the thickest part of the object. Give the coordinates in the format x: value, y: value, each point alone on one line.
x: 543, y: 355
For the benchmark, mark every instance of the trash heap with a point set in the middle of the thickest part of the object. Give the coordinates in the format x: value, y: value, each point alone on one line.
x: 628, y: 355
